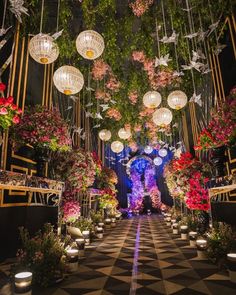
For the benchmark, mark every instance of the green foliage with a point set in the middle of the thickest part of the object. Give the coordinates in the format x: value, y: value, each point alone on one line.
x: 42, y: 255
x: 221, y: 240
x: 96, y: 216
x: 83, y: 224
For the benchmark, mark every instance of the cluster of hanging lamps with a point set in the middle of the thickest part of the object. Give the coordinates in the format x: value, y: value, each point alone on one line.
x: 117, y: 146
x: 68, y: 80
x: 162, y: 152
x: 157, y: 161
x: 148, y: 149
x: 104, y: 135
x: 152, y: 99
x: 43, y: 49
x: 124, y: 133
x: 177, y: 99
x: 90, y: 44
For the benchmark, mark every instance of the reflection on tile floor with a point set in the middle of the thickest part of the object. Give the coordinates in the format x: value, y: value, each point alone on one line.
x: 165, y: 265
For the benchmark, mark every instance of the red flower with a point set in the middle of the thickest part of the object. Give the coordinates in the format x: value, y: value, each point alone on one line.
x: 2, y: 87
x: 10, y: 99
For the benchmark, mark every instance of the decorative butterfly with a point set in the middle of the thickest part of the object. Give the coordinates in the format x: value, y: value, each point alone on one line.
x: 176, y: 125
x: 104, y: 107
x: 178, y: 74
x: 4, y: 31
x: 88, y: 115
x: 89, y: 89
x: 98, y: 116
x: 17, y: 8
x: 205, y: 69
x: 172, y: 39
x: 74, y: 98
x: 219, y: 48
x: 69, y: 108
x: 188, y: 9
x: 97, y: 126
x: 191, y: 36
x: 213, y: 26
x: 198, y: 55
x: 89, y: 104
x: 83, y: 136
x: 202, y: 35
x: 113, y: 101
x: 57, y: 34
x: 78, y: 130
x: 196, y: 99
x: 162, y: 61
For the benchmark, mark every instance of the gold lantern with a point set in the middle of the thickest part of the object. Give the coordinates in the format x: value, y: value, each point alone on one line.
x: 90, y: 44
x: 68, y: 80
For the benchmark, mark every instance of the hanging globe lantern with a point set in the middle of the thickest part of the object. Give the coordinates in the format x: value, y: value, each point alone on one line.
x: 162, y: 117
x: 117, y: 146
x: 68, y: 80
x: 90, y: 44
x: 177, y: 99
x: 157, y: 161
x: 104, y: 135
x: 162, y: 152
x: 124, y: 133
x: 43, y: 49
x: 152, y: 99
x: 148, y: 149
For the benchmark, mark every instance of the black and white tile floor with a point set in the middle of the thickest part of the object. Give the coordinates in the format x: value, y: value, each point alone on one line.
x: 141, y: 256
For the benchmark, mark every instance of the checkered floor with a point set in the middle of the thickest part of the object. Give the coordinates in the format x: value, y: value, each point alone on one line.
x: 141, y: 256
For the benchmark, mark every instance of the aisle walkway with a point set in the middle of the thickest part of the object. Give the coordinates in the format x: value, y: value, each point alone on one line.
x: 141, y: 256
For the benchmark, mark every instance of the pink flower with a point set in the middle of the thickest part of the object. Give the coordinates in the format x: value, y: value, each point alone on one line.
x: 138, y: 56
x: 3, y: 111
x: 114, y: 114
x: 15, y: 119
x: 139, y: 7
x: 133, y: 97
x: 113, y: 84
x: 99, y: 70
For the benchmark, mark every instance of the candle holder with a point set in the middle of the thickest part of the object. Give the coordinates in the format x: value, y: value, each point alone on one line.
x: 99, y: 232
x: 172, y: 222
x: 113, y: 222
x: 168, y: 221
x: 118, y: 216
x: 72, y: 257
x: 192, y: 238
x: 175, y: 227
x: 86, y: 236
x: 108, y: 223
x: 184, y: 232
x: 23, y: 283
x: 80, y: 245
x: 201, y: 248
x: 231, y: 259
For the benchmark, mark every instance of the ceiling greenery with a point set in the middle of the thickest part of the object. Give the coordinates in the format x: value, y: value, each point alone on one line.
x: 125, y: 33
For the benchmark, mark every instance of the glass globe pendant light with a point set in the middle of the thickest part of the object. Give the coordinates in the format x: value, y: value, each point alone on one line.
x: 104, y: 134
x: 152, y: 99
x: 162, y: 152
x: 117, y: 146
x: 90, y: 44
x: 157, y: 161
x: 148, y: 149
x: 124, y: 133
x: 162, y: 117
x: 177, y: 99
x: 42, y: 47
x: 68, y: 80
